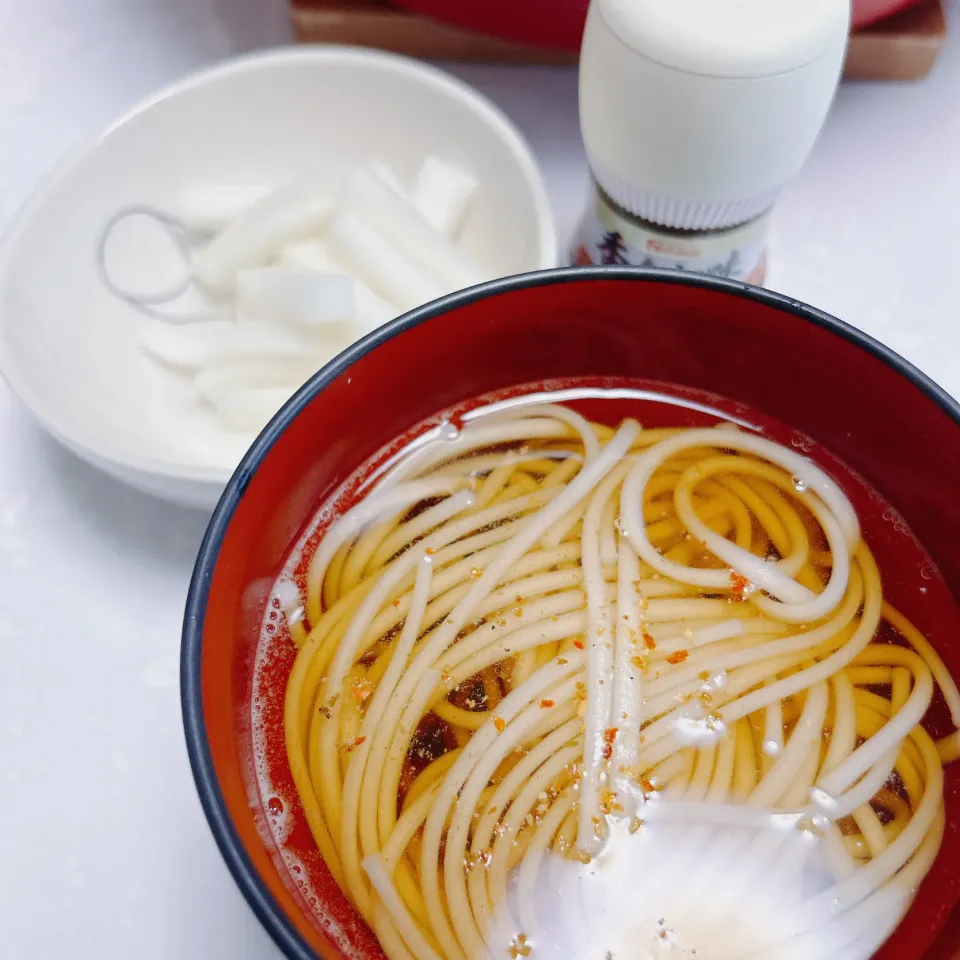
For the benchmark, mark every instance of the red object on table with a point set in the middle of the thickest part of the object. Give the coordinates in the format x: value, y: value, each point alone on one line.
x: 559, y: 23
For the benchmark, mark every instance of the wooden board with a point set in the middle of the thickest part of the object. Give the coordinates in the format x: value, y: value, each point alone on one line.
x: 905, y: 47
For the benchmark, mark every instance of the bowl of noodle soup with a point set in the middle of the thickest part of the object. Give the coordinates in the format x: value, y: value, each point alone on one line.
x: 594, y: 613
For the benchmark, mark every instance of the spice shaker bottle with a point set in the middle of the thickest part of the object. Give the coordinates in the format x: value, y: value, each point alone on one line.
x: 694, y: 114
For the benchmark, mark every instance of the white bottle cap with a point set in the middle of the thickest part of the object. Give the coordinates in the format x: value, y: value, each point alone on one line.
x: 695, y: 113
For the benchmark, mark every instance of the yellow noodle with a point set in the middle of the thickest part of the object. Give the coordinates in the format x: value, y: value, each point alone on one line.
x: 622, y: 648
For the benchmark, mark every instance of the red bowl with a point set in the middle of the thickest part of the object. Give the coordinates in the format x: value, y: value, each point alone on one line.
x: 883, y: 417
x: 559, y: 23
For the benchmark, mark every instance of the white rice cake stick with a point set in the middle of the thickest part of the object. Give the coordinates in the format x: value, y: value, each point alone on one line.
x: 443, y: 194
x: 307, y: 255
x: 192, y: 346
x: 372, y: 311
x: 249, y: 411
x: 388, y: 270
x: 296, y: 211
x: 211, y: 209
x: 300, y: 298
x: 214, y: 383
x: 386, y: 174
x: 400, y: 223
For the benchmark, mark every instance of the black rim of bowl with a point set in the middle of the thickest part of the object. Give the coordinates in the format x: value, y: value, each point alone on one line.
x: 244, y: 873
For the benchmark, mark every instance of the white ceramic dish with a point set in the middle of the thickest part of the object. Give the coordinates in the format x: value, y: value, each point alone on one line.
x: 70, y: 351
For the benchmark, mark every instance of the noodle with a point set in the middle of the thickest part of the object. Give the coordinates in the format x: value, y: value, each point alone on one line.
x: 536, y: 634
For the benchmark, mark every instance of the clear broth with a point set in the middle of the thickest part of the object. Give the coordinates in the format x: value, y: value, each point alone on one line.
x: 911, y: 582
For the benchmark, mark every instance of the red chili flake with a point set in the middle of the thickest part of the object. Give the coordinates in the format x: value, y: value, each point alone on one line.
x: 648, y: 641
x: 361, y: 690
x: 520, y: 946
x: 430, y: 551
x: 678, y: 657
x: 738, y: 586
x: 609, y: 803
x: 499, y: 723
x: 578, y: 644
x: 482, y: 858
x: 546, y: 704
x: 396, y: 603
x: 609, y: 735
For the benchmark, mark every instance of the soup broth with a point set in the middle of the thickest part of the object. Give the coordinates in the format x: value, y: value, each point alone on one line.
x: 610, y: 669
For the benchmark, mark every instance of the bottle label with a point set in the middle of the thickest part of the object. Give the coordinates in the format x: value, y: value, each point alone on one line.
x: 607, y: 236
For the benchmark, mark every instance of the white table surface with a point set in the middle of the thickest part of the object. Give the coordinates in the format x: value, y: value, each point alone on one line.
x: 104, y: 851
